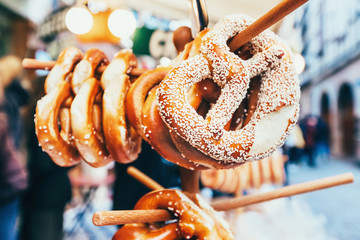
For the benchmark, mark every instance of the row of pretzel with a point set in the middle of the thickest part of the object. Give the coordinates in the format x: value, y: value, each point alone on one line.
x: 210, y: 108
x: 84, y: 109
x: 269, y: 170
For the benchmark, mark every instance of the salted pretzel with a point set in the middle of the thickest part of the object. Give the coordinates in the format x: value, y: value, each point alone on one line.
x: 144, y: 116
x: 64, y: 66
x: 195, y: 219
x: 54, y: 141
x: 122, y: 141
x: 86, y: 68
x: 269, y: 170
x: 277, y: 103
x: 88, y: 140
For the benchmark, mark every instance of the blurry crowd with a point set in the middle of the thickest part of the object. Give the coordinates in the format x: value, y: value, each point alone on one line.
x: 309, y: 141
x: 34, y: 191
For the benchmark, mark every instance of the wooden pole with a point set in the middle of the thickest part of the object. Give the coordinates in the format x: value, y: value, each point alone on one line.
x: 143, y: 178
x: 268, y: 19
x: 105, y: 218
x: 287, y: 191
x: 157, y: 215
x: 31, y: 63
x: 189, y: 180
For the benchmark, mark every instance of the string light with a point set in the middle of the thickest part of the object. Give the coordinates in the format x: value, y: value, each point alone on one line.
x: 122, y: 23
x: 79, y: 20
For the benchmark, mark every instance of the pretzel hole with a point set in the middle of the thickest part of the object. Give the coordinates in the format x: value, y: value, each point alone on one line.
x: 247, y: 107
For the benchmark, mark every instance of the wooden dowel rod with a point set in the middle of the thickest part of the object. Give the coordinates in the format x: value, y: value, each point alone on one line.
x: 268, y: 19
x: 189, y: 180
x: 122, y: 217
x: 143, y: 178
x: 105, y: 218
x: 284, y: 192
x: 30, y: 63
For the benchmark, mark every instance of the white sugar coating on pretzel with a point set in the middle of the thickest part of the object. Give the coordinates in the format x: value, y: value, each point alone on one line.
x: 278, y: 103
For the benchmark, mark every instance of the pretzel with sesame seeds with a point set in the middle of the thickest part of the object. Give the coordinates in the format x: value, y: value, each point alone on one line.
x: 54, y: 141
x: 195, y: 219
x: 277, y: 104
x: 142, y: 112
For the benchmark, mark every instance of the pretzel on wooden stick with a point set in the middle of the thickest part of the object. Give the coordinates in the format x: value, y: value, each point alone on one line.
x: 104, y: 218
x: 268, y: 19
x: 30, y: 63
x: 274, y: 15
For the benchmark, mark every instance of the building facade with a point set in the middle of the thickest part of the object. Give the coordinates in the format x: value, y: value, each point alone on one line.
x: 327, y: 34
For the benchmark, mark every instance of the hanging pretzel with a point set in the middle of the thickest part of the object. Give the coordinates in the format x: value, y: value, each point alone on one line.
x: 196, y: 219
x: 88, y: 140
x: 54, y: 141
x: 278, y: 100
x: 122, y: 141
x: 143, y: 113
x: 64, y: 66
x: 269, y: 170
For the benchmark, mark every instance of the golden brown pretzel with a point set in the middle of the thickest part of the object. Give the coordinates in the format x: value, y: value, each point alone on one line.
x: 61, y: 152
x: 138, y: 231
x: 158, y: 133
x: 58, y: 142
x: 277, y: 160
x: 122, y: 141
x: 278, y: 100
x: 255, y: 176
x: 196, y: 219
x: 65, y: 64
x: 150, y: 126
x: 137, y: 94
x: 91, y: 148
x: 86, y: 68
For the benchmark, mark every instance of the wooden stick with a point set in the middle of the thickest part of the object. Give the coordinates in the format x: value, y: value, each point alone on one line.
x: 274, y: 15
x: 122, y: 217
x: 144, y: 179
x: 105, y: 218
x: 284, y: 192
x: 189, y: 180
x: 30, y: 63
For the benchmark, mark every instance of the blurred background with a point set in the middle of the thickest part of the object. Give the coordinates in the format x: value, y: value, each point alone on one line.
x: 324, y: 35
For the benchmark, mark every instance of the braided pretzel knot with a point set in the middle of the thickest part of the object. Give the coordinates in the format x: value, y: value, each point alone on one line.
x: 278, y: 100
x: 84, y: 112
x: 123, y: 143
x: 58, y: 144
x: 196, y: 219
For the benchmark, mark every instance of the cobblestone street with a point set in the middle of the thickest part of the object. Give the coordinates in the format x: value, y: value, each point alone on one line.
x: 339, y: 205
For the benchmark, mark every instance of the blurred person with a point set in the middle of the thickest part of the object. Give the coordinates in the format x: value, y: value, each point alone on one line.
x: 15, y: 96
x: 309, y: 128
x: 294, y: 145
x: 49, y: 185
x: 322, y: 140
x: 12, y: 173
